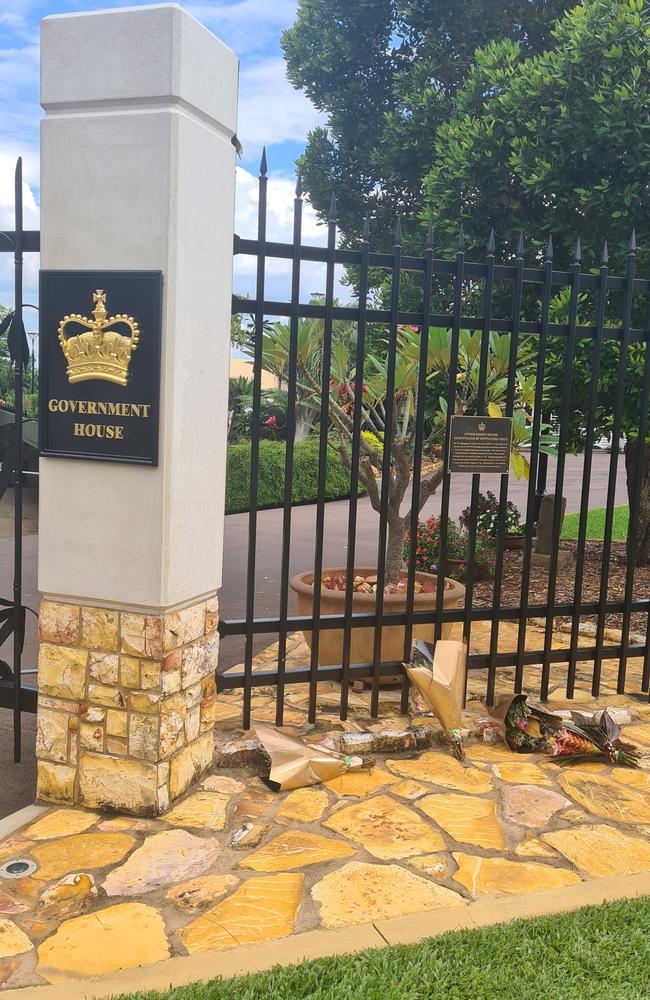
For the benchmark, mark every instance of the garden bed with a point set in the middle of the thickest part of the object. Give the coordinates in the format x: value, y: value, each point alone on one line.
x: 512, y: 580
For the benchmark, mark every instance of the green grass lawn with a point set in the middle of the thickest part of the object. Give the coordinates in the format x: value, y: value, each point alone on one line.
x: 597, y: 953
x: 596, y: 524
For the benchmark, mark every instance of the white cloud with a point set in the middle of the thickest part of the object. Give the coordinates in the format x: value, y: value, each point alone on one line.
x: 271, y: 111
x: 280, y: 207
x: 246, y: 25
x: 7, y: 221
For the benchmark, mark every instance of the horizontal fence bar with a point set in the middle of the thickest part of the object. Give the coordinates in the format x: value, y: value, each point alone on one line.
x: 237, y: 626
x: 310, y: 310
x: 502, y: 272
x: 28, y: 696
x: 30, y: 241
x: 475, y: 661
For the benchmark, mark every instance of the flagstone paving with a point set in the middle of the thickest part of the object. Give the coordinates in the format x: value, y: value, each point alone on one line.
x: 233, y: 863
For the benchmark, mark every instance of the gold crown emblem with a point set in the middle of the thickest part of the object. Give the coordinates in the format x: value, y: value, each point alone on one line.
x: 102, y: 352
x: 482, y: 425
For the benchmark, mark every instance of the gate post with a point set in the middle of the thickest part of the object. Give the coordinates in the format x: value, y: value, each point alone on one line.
x: 137, y: 173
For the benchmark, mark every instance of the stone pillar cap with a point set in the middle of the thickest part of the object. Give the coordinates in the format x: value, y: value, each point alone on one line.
x: 131, y: 57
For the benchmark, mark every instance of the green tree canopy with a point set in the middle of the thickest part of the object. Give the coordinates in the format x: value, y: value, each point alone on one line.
x: 555, y: 143
x: 386, y: 73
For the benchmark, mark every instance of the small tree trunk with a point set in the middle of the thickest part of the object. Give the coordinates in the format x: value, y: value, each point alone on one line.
x: 394, y: 550
x: 639, y: 547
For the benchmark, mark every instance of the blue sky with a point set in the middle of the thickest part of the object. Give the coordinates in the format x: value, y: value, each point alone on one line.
x: 271, y: 113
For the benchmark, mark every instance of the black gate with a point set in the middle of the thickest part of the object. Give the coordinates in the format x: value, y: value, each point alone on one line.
x: 502, y: 311
x: 14, y: 474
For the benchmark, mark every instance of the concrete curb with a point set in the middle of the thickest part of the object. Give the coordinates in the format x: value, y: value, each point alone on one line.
x: 20, y: 818
x: 183, y: 970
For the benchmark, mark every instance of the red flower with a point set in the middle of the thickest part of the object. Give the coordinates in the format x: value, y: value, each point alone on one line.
x: 271, y: 422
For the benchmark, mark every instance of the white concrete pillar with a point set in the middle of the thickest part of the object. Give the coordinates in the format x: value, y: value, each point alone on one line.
x: 138, y: 172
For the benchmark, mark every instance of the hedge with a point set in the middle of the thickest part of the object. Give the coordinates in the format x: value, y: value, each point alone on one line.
x: 270, y: 484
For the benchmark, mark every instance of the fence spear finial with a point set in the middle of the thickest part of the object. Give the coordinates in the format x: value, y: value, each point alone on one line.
x: 366, y: 229
x: 520, y: 247
x: 332, y: 212
x: 577, y: 253
x: 491, y: 246
x: 429, y: 239
x: 398, y: 232
x: 461, y: 238
x: 549, y: 247
x: 299, y: 186
x: 263, y: 164
x: 632, y: 245
x: 604, y: 257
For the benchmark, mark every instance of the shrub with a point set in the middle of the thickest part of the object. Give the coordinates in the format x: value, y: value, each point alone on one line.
x: 428, y: 544
x: 270, y: 487
x: 487, y: 516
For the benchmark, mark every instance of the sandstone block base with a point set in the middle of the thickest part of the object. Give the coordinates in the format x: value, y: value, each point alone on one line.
x: 126, y: 705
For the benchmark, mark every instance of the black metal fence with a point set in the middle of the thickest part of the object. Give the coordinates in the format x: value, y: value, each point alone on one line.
x: 13, y: 475
x: 474, y: 302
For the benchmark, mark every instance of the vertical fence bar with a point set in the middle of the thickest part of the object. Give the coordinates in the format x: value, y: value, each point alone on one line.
x: 634, y: 520
x: 354, y: 466
x: 427, y: 288
x: 613, y: 463
x: 586, y: 473
x: 559, y: 472
x: 389, y: 419
x: 503, y: 492
x: 322, y: 458
x: 255, y: 441
x: 18, y: 477
x: 480, y: 411
x: 534, y: 485
x: 288, y: 460
x: 451, y: 406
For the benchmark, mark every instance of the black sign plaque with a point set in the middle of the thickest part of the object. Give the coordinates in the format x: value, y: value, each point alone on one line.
x: 99, y: 345
x: 480, y: 444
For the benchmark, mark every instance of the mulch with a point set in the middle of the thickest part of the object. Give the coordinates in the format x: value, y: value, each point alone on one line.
x: 565, y: 586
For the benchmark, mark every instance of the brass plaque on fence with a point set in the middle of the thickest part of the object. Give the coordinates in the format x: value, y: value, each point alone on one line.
x: 479, y: 444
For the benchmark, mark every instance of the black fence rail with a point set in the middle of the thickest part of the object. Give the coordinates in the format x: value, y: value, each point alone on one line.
x: 460, y: 297
x: 13, y: 475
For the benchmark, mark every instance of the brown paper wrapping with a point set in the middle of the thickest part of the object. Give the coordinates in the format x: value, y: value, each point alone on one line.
x: 442, y: 685
x: 295, y: 764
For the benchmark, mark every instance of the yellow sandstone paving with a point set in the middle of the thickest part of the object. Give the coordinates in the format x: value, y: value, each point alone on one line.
x: 203, y: 810
x: 637, y: 734
x: 481, y: 876
x: 262, y: 908
x: 295, y: 849
x: 607, y: 797
x: 60, y: 823
x: 522, y: 773
x: 163, y: 859
x: 304, y: 804
x: 467, y: 819
x: 601, y: 851
x: 386, y: 829
x: 358, y: 784
x: 79, y: 852
x: 117, y: 937
x: 442, y: 769
x: 13, y: 941
x: 358, y: 893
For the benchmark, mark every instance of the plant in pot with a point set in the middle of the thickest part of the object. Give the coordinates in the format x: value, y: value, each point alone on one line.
x: 427, y: 548
x: 487, y: 520
x: 343, y: 387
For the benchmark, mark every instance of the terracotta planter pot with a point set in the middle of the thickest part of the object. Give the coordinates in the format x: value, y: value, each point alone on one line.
x: 513, y: 542
x: 330, y: 646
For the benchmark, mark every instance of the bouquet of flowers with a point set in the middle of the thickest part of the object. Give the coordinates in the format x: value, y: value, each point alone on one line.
x: 527, y: 729
x: 581, y: 739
